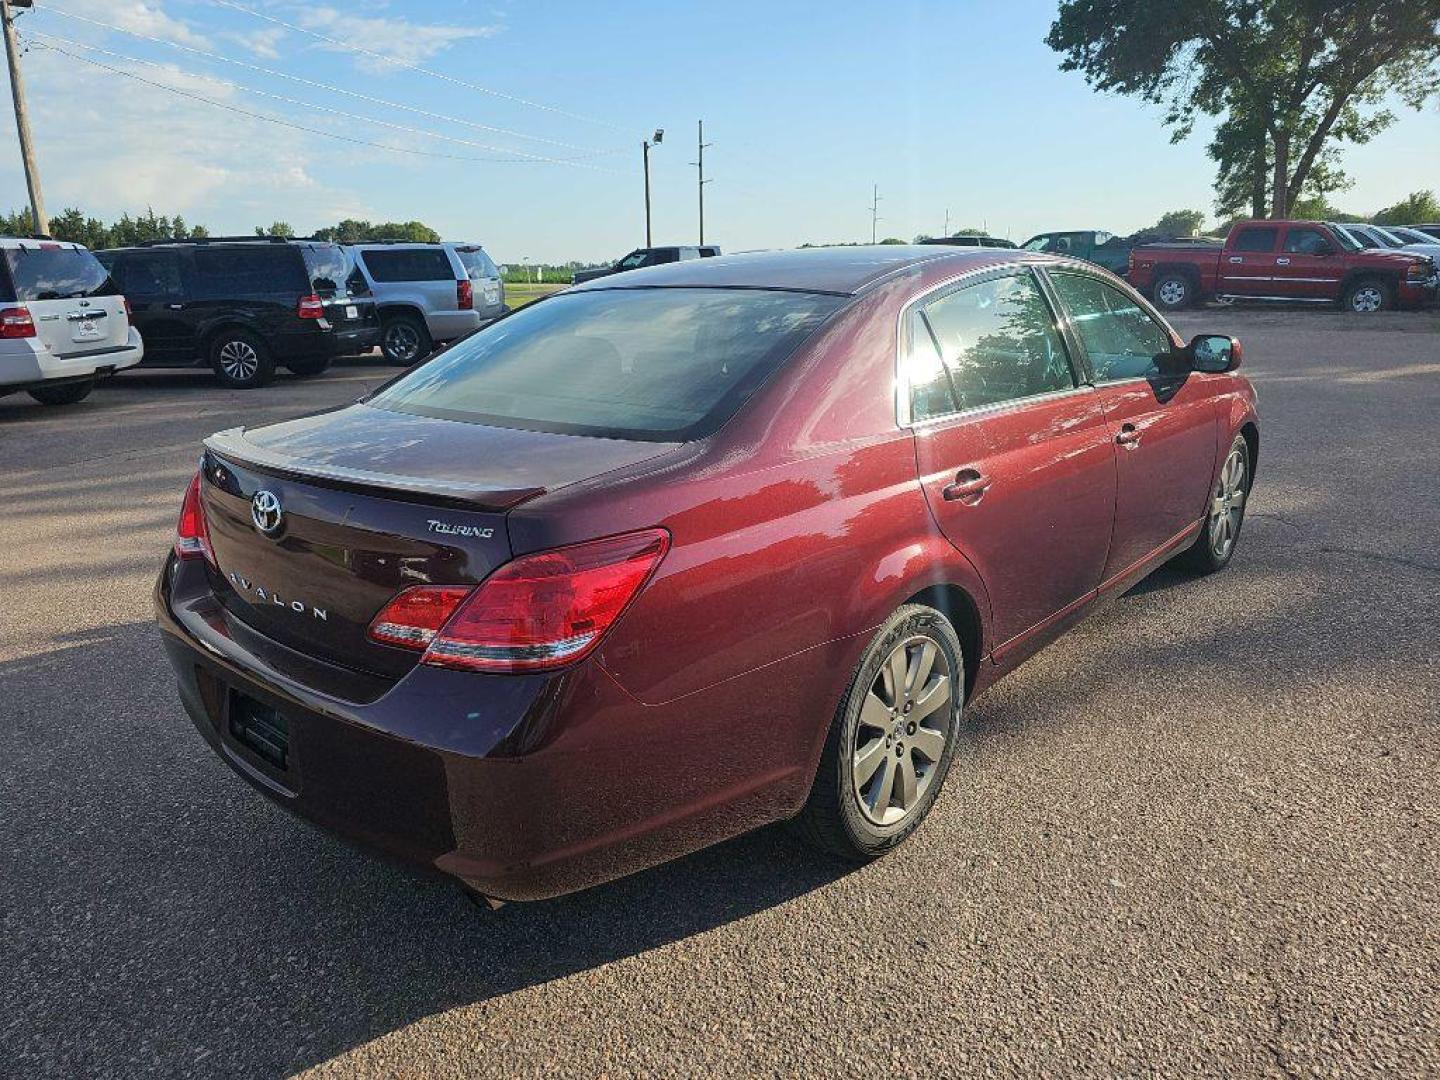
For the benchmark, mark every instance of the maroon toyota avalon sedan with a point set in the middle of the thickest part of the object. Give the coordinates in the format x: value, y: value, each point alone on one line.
x: 668, y: 556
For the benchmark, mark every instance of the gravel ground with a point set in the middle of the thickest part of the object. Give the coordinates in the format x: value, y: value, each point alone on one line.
x: 1198, y: 836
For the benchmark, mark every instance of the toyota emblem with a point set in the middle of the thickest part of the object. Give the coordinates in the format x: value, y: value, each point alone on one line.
x: 265, y: 512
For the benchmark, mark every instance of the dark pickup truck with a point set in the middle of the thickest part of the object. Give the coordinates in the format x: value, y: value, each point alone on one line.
x: 651, y: 256
x: 1301, y: 261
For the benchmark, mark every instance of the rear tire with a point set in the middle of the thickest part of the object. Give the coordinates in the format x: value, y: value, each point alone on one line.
x: 404, y: 340
x: 906, y: 739
x: 1367, y: 295
x: 1173, y: 292
x: 68, y: 394
x: 308, y: 366
x: 241, y: 360
x: 1220, y: 535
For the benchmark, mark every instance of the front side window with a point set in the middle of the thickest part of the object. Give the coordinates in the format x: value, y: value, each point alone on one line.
x: 998, y: 341
x: 56, y: 273
x: 652, y: 364
x: 149, y: 275
x: 1119, y: 338
x: 1257, y: 238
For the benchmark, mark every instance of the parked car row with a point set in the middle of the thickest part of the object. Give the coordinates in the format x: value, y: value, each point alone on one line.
x: 648, y: 256
x: 1295, y: 261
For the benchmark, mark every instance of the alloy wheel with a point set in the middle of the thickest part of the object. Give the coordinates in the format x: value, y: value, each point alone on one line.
x: 1368, y: 298
x: 902, y: 731
x: 1172, y: 293
x: 239, y: 360
x: 1227, y: 506
x: 402, y: 343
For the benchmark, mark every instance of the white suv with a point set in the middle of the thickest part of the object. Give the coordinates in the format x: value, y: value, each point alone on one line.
x: 427, y: 294
x: 62, y: 322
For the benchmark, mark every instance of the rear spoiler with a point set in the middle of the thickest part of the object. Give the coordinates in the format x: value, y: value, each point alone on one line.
x: 232, y: 447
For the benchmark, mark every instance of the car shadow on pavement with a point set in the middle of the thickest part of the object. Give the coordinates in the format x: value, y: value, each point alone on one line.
x: 162, y: 914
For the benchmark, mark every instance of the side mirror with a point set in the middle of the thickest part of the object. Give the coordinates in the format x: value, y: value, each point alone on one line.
x: 1214, y: 353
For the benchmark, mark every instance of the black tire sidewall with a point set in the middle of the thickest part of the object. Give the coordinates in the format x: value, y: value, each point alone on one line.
x: 264, y: 372
x: 426, y: 346
x: 863, y: 837
x: 1201, y: 556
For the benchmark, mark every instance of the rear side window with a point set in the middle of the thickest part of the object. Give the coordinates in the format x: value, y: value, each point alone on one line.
x: 409, y: 264
x: 327, y: 266
x: 650, y: 364
x: 257, y: 270
x: 56, y: 273
x: 153, y: 274
x: 1256, y: 238
x: 1120, y: 339
x: 998, y: 341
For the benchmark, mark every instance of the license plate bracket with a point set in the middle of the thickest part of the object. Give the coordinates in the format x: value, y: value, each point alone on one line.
x: 261, y: 730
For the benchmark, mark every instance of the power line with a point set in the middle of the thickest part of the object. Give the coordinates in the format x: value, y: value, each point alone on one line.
x: 348, y: 47
x: 273, y: 119
x: 273, y: 73
x: 52, y: 42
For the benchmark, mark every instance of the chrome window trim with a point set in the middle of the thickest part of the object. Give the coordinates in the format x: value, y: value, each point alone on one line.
x: 976, y: 276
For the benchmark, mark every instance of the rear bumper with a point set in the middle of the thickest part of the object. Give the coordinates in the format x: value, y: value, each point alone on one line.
x: 449, y: 325
x: 26, y: 362
x: 522, y: 787
x: 351, y: 340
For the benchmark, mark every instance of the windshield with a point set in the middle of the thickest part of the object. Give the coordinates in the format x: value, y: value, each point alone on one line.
x: 1346, y: 237
x: 1036, y: 243
x: 328, y: 268
x: 57, y: 273
x: 634, y: 259
x: 653, y: 364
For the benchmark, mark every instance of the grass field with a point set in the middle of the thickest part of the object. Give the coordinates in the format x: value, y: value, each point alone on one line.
x: 518, y: 296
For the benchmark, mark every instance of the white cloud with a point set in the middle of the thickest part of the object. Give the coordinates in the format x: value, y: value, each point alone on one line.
x: 150, y: 19
x: 261, y: 44
x: 393, y: 37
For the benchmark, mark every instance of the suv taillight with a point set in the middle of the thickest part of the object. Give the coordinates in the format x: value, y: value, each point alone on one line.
x: 310, y: 307
x: 464, y: 294
x: 538, y: 612
x: 16, y: 322
x: 128, y: 313
x: 192, y: 534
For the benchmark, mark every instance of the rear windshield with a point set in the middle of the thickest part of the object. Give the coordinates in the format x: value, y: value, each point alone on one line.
x: 328, y: 267
x: 652, y: 364
x: 56, y: 274
x: 476, y: 262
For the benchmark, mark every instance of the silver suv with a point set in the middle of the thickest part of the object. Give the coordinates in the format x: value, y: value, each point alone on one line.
x: 427, y: 294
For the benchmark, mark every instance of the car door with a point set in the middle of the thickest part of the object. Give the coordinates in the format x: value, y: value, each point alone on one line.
x: 1013, y: 451
x: 1247, y: 264
x: 1307, y: 267
x: 1163, y: 424
x: 155, y: 289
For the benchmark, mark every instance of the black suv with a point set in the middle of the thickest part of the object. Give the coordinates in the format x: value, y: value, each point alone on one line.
x: 651, y: 256
x: 243, y: 305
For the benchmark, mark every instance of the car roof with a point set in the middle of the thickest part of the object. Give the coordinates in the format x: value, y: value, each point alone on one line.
x: 845, y: 271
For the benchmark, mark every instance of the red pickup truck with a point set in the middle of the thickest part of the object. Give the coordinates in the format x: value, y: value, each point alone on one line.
x: 1283, y: 260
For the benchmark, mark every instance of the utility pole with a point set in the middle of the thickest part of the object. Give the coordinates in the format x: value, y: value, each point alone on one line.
x: 874, y: 210
x: 947, y: 222
x: 645, y: 144
x: 700, y: 164
x: 22, y: 118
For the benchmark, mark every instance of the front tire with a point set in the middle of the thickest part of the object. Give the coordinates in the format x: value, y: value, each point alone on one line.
x: 241, y: 360
x: 1174, y: 292
x: 404, y: 340
x: 68, y: 394
x: 892, y: 739
x: 1215, y: 546
x: 1367, y: 295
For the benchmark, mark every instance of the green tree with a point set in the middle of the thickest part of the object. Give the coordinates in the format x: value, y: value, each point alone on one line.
x: 276, y: 228
x: 1179, y: 223
x: 1419, y: 207
x: 72, y: 225
x: 1289, y: 78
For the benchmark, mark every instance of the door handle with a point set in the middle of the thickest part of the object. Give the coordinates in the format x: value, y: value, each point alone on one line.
x: 1236, y: 259
x: 1282, y: 262
x: 969, y: 486
x: 1128, y: 437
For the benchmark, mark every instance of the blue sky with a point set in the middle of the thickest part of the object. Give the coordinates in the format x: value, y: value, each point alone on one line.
x: 956, y: 106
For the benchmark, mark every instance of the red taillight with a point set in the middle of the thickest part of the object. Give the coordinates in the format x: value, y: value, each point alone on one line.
x: 192, y: 535
x: 310, y: 307
x: 413, y: 618
x: 15, y: 322
x: 128, y: 313
x: 465, y: 294
x: 540, y: 611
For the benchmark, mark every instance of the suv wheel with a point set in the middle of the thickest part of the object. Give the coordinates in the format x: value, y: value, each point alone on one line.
x: 306, y: 366
x: 892, y: 739
x: 404, y: 340
x: 68, y: 394
x: 241, y: 360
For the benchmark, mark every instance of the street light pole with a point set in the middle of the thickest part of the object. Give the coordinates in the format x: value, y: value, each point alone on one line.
x: 645, y: 145
x: 700, y: 164
x: 874, y: 210
x: 22, y: 120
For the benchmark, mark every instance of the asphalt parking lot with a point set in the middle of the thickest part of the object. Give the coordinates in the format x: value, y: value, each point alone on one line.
x: 1198, y: 836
